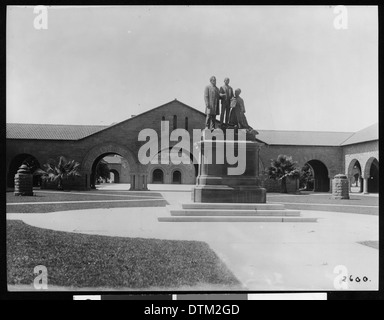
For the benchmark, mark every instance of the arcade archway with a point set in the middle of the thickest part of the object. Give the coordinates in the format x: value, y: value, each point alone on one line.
x: 355, y: 176
x: 101, y: 172
x: 320, y: 175
x: 97, y: 153
x: 373, y: 180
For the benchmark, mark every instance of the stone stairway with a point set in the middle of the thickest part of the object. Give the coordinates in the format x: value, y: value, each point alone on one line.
x: 234, y: 212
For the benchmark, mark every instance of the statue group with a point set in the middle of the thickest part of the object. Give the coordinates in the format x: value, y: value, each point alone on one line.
x: 232, y: 113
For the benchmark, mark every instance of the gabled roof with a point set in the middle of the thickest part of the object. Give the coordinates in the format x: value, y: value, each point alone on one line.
x: 68, y: 132
x: 303, y: 138
x: 370, y: 133
x: 50, y: 131
x: 135, y: 118
x: 271, y: 137
x: 76, y: 132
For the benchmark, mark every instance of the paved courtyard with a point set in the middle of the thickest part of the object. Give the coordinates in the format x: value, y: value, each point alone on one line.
x: 263, y: 256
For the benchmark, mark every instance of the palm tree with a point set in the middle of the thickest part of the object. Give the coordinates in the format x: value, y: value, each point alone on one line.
x: 306, y: 176
x: 282, y: 168
x: 60, y: 171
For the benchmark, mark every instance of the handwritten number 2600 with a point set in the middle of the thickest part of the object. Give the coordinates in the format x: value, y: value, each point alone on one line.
x: 357, y: 279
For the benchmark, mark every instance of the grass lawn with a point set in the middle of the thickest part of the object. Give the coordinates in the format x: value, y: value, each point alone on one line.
x: 45, y: 196
x: 324, y: 198
x: 78, y: 260
x: 120, y: 200
x: 323, y: 201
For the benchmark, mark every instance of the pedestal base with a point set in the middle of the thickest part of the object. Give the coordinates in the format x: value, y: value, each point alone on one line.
x: 218, y: 183
x: 229, y: 194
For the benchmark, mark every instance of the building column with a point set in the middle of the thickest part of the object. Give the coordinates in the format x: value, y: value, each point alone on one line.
x: 365, y: 190
x: 145, y: 182
x: 132, y: 181
x: 141, y: 182
x: 361, y: 184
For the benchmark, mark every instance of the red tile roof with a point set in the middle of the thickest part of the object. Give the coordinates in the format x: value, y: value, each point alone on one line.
x: 50, y: 131
x: 271, y: 137
x: 75, y: 132
x: 303, y: 138
x: 370, y: 133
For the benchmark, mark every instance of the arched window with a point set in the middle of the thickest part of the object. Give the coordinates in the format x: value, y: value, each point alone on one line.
x: 186, y: 123
x: 174, y: 122
x: 176, y: 177
x: 158, y: 176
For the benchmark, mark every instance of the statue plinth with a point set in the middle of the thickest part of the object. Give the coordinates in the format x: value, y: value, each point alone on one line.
x: 218, y: 181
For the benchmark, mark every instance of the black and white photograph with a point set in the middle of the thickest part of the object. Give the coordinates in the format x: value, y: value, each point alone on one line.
x: 192, y: 149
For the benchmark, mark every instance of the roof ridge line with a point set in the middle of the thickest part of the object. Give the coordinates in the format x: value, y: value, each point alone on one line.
x: 347, y: 139
x: 129, y: 119
x: 56, y: 124
x: 344, y: 132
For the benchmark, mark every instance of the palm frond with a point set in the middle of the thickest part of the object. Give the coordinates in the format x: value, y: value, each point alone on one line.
x: 60, y: 170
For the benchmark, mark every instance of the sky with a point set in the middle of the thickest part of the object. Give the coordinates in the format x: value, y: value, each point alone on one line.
x: 100, y: 65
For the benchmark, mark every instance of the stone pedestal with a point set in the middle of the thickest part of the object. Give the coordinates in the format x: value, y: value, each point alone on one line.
x: 340, y: 187
x: 23, y: 182
x: 217, y: 184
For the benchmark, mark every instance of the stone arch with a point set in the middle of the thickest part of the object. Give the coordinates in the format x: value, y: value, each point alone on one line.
x: 355, y: 166
x: 371, y: 174
x: 97, y: 152
x: 367, y: 167
x: 109, y: 148
x: 321, y: 175
x: 351, y: 165
x: 305, y: 158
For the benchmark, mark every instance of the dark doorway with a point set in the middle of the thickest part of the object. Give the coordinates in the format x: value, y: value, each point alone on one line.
x: 176, y: 177
x: 320, y: 176
x: 158, y: 176
x: 114, y: 176
x: 373, y: 181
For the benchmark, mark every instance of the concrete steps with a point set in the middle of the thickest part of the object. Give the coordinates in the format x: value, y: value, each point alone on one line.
x: 235, y: 219
x: 233, y: 206
x: 237, y: 213
x: 233, y: 212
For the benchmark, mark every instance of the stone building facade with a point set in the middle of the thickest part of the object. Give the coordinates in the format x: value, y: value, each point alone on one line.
x: 327, y: 153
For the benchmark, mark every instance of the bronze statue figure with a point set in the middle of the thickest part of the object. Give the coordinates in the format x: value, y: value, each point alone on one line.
x: 237, y: 117
x: 226, y: 94
x: 211, y: 97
